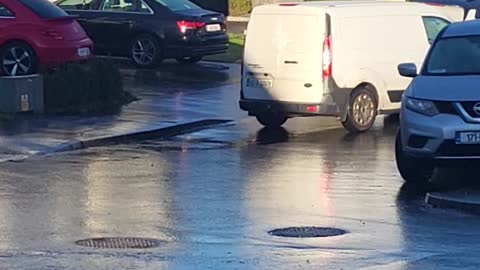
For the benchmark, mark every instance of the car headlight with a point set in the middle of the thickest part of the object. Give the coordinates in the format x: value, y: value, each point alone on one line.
x: 425, y: 107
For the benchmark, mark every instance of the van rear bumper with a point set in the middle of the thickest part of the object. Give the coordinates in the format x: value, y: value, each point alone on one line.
x: 254, y: 107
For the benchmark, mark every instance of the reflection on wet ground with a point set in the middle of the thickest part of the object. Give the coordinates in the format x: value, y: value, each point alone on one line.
x: 214, y: 206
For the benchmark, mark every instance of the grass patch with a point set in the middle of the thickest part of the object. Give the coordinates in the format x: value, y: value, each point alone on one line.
x: 239, y: 7
x: 234, y: 52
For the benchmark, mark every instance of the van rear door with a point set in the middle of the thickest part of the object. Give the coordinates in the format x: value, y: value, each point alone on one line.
x: 283, y: 55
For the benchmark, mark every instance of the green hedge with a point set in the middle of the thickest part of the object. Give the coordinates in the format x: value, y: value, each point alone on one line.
x: 239, y: 7
x: 94, y: 87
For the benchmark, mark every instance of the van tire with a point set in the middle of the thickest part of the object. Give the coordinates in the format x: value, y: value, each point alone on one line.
x: 413, y: 170
x: 362, y: 110
x: 271, y: 119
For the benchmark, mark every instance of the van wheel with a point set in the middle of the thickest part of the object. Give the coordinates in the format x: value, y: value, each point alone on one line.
x: 271, y: 119
x: 362, y: 110
x: 412, y: 170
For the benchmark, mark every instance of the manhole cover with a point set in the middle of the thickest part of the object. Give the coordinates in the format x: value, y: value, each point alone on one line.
x: 302, y: 232
x: 119, y: 242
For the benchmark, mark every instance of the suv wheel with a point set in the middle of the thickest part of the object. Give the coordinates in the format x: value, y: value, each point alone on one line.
x: 271, y: 119
x: 412, y: 170
x: 145, y: 51
x: 362, y: 110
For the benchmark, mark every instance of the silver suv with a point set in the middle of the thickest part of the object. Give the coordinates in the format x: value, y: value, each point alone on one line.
x: 440, y: 112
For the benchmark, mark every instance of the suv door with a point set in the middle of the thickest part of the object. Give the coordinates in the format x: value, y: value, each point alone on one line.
x: 433, y: 26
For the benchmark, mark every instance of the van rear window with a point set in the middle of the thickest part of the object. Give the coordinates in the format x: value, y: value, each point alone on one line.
x: 44, y: 9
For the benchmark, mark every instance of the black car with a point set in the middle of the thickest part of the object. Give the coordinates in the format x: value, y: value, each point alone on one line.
x: 149, y: 31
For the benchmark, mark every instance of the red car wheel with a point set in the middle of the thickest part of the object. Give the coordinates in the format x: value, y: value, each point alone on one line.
x: 17, y: 58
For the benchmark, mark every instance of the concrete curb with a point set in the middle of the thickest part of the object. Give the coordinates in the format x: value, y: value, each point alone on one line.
x: 454, y: 200
x: 155, y: 133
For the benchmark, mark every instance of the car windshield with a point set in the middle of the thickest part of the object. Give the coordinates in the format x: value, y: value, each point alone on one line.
x: 454, y: 56
x: 44, y: 9
x: 177, y: 5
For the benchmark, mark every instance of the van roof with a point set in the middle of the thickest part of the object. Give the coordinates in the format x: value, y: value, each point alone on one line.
x: 467, y: 28
x: 391, y: 4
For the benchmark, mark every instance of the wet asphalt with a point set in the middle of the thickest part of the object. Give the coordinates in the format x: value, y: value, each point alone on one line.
x: 211, y: 197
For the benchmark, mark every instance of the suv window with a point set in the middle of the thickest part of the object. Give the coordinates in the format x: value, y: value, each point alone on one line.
x: 78, y: 4
x: 454, y: 56
x: 44, y: 9
x: 122, y: 5
x: 5, y: 12
x: 433, y: 26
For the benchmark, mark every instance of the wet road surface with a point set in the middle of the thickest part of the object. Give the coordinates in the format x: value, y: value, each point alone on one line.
x: 212, y: 197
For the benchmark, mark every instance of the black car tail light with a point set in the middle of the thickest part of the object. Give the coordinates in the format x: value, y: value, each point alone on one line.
x: 184, y: 26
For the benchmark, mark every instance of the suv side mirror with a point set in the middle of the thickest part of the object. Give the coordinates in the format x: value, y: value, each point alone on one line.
x: 407, y: 70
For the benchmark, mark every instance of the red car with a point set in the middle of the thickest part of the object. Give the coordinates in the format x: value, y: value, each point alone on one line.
x: 36, y: 34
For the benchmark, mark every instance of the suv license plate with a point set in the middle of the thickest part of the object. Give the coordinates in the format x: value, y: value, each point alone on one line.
x: 470, y: 137
x: 213, y: 27
x: 83, y: 52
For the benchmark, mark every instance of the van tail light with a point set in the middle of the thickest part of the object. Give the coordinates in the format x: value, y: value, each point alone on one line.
x: 327, y: 58
x: 184, y: 26
x: 50, y: 33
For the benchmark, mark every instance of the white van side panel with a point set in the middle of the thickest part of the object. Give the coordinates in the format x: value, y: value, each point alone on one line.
x: 369, y: 49
x: 285, y: 48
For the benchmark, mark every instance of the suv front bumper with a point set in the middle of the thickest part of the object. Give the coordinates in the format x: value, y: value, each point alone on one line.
x: 434, y: 137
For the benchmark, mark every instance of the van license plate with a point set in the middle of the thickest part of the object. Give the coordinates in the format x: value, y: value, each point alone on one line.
x: 213, y: 27
x: 259, y: 83
x: 471, y: 137
x: 82, y: 52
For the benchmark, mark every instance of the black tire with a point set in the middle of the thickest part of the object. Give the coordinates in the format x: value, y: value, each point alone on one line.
x: 146, y: 51
x: 189, y: 60
x: 271, y: 119
x: 412, y: 170
x: 24, y: 62
x: 362, y: 110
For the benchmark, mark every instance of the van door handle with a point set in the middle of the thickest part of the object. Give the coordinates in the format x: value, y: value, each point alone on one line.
x: 290, y: 62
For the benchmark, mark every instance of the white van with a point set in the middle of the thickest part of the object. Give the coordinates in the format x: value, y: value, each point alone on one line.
x: 333, y: 58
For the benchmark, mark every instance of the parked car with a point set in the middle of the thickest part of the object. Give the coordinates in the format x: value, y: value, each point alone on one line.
x: 440, y: 113
x: 148, y: 31
x: 36, y: 34
x: 356, y: 47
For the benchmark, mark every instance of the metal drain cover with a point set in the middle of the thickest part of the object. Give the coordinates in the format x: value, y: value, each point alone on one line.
x: 119, y: 243
x: 303, y: 232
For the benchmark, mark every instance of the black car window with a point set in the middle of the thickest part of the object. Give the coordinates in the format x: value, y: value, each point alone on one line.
x: 76, y: 4
x: 433, y: 26
x: 121, y: 5
x: 5, y: 12
x: 44, y: 9
x: 178, y: 5
x: 144, y: 8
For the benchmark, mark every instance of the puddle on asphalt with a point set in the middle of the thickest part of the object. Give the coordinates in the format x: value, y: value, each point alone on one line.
x: 183, y: 146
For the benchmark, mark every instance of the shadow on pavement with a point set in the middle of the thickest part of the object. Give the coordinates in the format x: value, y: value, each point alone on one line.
x: 202, y: 72
x: 272, y: 135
